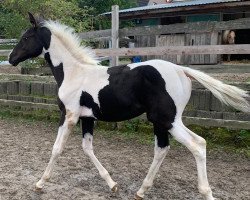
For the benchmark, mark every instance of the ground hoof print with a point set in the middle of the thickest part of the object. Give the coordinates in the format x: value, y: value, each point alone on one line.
x: 115, y: 189
x: 137, y: 197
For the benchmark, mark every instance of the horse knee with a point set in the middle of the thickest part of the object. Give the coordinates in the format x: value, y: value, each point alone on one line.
x: 71, y: 119
x: 87, y: 145
x: 198, y: 148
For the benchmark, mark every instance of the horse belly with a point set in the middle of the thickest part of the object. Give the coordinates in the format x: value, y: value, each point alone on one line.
x: 117, y: 114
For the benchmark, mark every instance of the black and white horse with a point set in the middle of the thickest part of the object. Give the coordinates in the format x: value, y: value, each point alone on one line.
x: 89, y: 92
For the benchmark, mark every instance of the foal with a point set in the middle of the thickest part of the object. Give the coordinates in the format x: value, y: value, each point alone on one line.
x: 89, y: 92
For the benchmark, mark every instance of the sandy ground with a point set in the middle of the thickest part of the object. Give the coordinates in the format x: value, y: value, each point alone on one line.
x: 25, y: 149
x: 10, y: 70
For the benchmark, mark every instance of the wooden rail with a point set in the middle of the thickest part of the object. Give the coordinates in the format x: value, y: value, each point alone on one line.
x: 169, y: 50
x: 191, y: 27
x: 176, y: 50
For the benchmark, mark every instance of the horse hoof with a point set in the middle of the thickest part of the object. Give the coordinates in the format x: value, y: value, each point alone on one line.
x: 39, y: 186
x: 115, y: 189
x: 38, y: 189
x: 138, y: 197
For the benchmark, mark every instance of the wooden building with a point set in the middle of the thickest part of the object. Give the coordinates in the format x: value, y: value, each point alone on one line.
x: 184, y: 12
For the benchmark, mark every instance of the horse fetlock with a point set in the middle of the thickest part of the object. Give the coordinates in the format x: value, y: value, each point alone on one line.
x: 205, y: 190
x: 46, y: 177
x: 39, y: 185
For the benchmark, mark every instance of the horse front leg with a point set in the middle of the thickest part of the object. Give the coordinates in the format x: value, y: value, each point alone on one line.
x: 87, y: 125
x: 68, y: 120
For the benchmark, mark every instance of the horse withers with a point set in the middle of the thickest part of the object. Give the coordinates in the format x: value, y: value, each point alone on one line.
x: 89, y: 92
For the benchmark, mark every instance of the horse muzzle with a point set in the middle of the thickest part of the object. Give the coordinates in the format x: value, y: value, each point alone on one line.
x: 12, y: 60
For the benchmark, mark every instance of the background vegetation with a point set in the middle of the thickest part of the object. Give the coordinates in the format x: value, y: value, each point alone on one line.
x: 81, y: 14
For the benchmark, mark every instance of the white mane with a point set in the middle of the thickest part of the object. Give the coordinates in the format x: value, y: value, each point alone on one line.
x: 72, y: 42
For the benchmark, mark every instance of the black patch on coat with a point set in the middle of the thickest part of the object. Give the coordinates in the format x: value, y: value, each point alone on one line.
x: 62, y: 110
x: 162, y: 135
x: 133, y: 92
x: 87, y: 125
x: 87, y: 100
x: 57, y: 71
x: 45, y: 36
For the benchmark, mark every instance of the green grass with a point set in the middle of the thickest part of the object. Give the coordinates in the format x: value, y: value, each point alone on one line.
x: 233, y: 141
x: 5, y: 46
x: 3, y: 58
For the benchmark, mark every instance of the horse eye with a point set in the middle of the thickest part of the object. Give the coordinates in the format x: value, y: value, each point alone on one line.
x: 25, y: 38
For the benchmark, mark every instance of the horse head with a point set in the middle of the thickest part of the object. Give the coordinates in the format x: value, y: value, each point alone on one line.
x: 231, y: 37
x: 31, y: 43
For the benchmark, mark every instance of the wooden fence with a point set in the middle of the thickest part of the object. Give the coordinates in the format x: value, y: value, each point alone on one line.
x: 183, y: 52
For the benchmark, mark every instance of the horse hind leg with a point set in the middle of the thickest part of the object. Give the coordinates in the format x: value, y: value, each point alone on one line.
x: 87, y: 125
x: 160, y: 152
x: 197, y: 145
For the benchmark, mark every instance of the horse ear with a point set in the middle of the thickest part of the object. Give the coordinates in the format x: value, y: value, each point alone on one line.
x: 32, y: 20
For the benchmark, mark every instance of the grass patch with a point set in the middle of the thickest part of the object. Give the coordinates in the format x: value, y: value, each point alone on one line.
x: 236, y: 141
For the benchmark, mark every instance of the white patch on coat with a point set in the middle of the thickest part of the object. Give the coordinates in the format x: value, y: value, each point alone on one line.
x: 88, y: 149
x: 81, y: 72
x: 71, y: 41
x: 159, y: 155
x: 178, y: 85
x: 86, y: 112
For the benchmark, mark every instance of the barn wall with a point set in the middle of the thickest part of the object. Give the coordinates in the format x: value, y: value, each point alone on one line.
x: 191, y: 39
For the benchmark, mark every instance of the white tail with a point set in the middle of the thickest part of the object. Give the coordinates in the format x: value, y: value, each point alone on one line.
x: 228, y: 94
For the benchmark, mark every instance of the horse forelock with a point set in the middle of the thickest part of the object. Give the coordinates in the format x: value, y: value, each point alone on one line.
x: 71, y: 42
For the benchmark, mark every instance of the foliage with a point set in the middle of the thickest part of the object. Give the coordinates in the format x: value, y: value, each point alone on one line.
x: 11, y: 23
x: 14, y: 18
x: 81, y: 14
x: 100, y: 7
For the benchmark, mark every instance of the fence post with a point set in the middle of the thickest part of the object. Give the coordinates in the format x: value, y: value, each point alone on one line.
x: 115, y: 33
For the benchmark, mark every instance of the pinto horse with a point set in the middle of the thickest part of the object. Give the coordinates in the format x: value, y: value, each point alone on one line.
x: 89, y: 92
x: 228, y: 37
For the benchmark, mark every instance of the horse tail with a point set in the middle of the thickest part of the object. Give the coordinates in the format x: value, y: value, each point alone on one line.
x: 228, y: 94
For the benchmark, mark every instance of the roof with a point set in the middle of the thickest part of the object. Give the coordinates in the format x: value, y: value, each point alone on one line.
x: 143, y: 2
x: 174, y: 5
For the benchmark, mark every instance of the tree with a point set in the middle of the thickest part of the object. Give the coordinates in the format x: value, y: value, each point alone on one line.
x: 100, y: 6
x: 13, y: 14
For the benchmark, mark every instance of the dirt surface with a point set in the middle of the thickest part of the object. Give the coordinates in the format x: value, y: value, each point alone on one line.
x: 25, y: 149
x: 10, y: 70
x: 231, y: 77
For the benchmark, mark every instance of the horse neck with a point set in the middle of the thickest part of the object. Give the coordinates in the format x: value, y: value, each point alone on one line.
x: 63, y: 65
x: 59, y: 54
